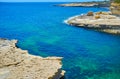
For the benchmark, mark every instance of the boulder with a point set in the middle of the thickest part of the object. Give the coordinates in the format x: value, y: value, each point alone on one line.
x: 90, y: 14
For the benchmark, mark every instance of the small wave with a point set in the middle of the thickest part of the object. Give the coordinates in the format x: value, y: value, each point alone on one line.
x: 66, y: 21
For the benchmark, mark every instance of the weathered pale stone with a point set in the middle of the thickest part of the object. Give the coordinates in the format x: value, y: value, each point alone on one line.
x: 101, y: 21
x: 18, y: 64
x: 115, y: 8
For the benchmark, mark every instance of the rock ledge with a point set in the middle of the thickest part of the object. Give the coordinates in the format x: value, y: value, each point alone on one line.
x: 18, y: 64
x: 101, y: 21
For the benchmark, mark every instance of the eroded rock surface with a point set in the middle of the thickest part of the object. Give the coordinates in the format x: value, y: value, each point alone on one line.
x: 115, y: 8
x: 18, y: 64
x: 101, y: 21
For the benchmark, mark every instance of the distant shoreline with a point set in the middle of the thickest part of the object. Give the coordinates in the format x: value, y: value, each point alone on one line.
x: 86, y: 4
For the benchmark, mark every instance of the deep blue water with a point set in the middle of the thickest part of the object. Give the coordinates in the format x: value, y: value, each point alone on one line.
x: 39, y: 27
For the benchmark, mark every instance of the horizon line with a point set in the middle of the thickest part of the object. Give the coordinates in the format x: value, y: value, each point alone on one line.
x: 49, y: 1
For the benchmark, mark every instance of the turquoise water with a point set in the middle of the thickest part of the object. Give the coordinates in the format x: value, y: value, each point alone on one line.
x: 39, y: 27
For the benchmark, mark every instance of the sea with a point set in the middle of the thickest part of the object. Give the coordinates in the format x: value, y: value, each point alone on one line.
x: 40, y: 29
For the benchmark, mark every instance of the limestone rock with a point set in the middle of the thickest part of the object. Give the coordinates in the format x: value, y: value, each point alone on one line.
x: 18, y: 64
x: 115, y: 8
x: 100, y: 21
x: 97, y: 16
x: 90, y: 14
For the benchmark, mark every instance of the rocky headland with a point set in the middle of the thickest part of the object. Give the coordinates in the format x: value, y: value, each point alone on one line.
x: 101, y: 21
x: 16, y: 63
x: 108, y: 22
x: 86, y: 4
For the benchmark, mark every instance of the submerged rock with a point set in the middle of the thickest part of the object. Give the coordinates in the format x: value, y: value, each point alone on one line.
x: 16, y: 63
x: 101, y: 21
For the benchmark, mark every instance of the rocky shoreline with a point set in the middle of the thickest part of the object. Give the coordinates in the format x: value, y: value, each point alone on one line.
x: 115, y: 8
x: 101, y: 21
x: 16, y: 63
x: 86, y: 4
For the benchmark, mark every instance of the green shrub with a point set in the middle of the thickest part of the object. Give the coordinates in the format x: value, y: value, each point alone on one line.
x: 117, y: 1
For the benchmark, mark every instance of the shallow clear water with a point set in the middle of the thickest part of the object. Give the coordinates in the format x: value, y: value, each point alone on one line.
x: 39, y: 27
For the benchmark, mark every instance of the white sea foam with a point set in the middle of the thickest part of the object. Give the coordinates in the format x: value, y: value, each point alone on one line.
x: 66, y: 21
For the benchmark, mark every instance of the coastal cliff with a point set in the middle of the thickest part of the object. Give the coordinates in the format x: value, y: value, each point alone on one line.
x: 108, y: 22
x: 101, y: 21
x: 115, y: 8
x: 16, y: 63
